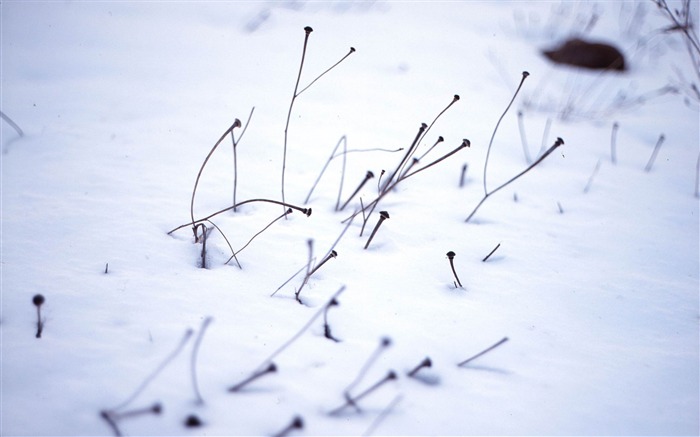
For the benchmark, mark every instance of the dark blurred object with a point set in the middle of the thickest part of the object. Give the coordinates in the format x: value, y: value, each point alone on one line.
x: 585, y: 54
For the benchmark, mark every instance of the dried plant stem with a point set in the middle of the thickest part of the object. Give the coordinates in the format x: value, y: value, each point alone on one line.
x: 556, y: 144
x: 488, y: 349
x: 372, y: 205
x: 383, y: 415
x: 235, y: 160
x: 308, y: 324
x: 463, y: 175
x: 545, y: 135
x: 236, y: 123
x: 596, y: 169
x: 523, y: 140
x: 353, y: 401
x: 491, y: 253
x: 655, y: 152
x: 455, y: 98
x: 289, y: 211
x: 350, y: 52
x: 296, y: 94
x: 305, y: 211
x: 495, y: 129
x: 193, y: 359
x: 369, y: 175
x: 307, y: 31
x: 387, y: 184
x: 613, y: 143
x: 384, y: 343
x: 697, y: 178
x: 12, y: 124
x: 155, y: 373
x: 233, y: 254
x: 344, y: 141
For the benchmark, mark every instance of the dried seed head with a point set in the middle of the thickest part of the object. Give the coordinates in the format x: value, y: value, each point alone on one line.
x: 525, y: 74
x: 333, y: 254
x: 369, y: 175
x: 237, y: 123
x: 558, y: 142
x: 298, y: 423
x: 455, y: 98
x: 386, y: 342
x: 308, y: 29
x: 440, y: 139
x: 466, y: 143
x: 392, y: 375
x: 451, y: 254
x: 193, y: 421
x: 384, y: 215
x: 423, y: 126
x: 307, y: 211
x: 38, y: 300
x: 352, y: 49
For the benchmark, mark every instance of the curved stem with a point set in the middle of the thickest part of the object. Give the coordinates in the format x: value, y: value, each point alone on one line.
x: 493, y: 135
x: 305, y: 211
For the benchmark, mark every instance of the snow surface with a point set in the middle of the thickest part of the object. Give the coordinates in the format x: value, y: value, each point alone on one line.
x: 120, y: 102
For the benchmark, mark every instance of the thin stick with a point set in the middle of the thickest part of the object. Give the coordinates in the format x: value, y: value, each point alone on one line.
x: 655, y: 152
x: 235, y: 161
x: 12, y: 124
x: 369, y: 175
x: 465, y: 143
x: 353, y: 401
x: 593, y: 175
x: 305, y: 211
x: 233, y: 254
x: 491, y: 253
x: 289, y: 280
x: 697, y: 178
x: 289, y: 211
x: 352, y: 50
x: 523, y: 140
x: 372, y: 205
x: 556, y: 144
x: 193, y: 359
x: 455, y: 98
x: 383, y: 344
x: 204, y: 244
x: 438, y: 141
x: 343, y: 140
x: 495, y: 129
x: 545, y: 135
x: 107, y: 416
x: 374, y: 149
x: 613, y: 144
x: 309, y: 263
x: 271, y: 368
x: 307, y: 31
x: 463, y: 175
x: 409, y: 152
x: 279, y: 350
x: 158, y: 369
x: 383, y: 415
x: 236, y: 123
x: 488, y: 349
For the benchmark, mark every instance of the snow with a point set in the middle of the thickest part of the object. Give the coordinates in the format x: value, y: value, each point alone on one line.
x: 120, y: 103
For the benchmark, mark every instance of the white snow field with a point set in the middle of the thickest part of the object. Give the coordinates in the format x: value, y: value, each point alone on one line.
x: 594, y: 284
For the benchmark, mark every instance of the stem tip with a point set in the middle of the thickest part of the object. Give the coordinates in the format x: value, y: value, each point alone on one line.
x: 38, y: 300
